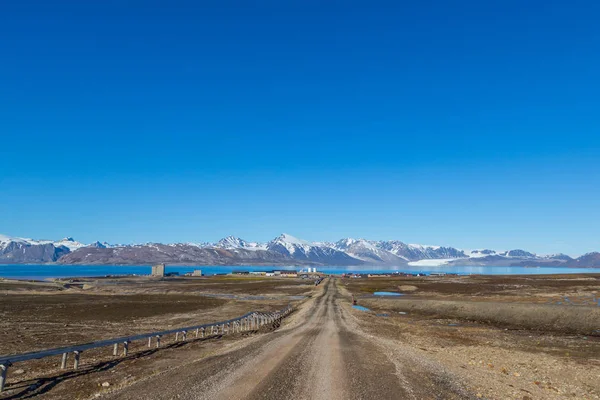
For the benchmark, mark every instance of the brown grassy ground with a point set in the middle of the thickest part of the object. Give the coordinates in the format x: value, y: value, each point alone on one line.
x: 497, y: 359
x: 580, y: 288
x: 508, y: 337
x: 42, y: 315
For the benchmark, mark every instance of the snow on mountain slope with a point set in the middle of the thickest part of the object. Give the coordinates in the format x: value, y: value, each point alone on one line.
x: 284, y: 248
x: 290, y: 244
x: 480, y: 253
x: 232, y: 242
x: 67, y: 242
x: 367, y: 251
x: 518, y: 253
x: 414, y: 252
x: 22, y: 250
x: 298, y: 249
x: 6, y: 240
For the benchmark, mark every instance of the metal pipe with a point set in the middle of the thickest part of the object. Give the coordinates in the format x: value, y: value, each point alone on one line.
x: 252, y: 320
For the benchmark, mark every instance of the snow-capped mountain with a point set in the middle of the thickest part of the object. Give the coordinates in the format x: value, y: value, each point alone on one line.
x: 415, y: 252
x: 283, y: 250
x: 481, y: 253
x: 22, y: 250
x: 518, y: 253
x: 368, y: 251
x: 232, y: 242
x: 302, y: 250
x: 67, y: 242
x: 558, y: 256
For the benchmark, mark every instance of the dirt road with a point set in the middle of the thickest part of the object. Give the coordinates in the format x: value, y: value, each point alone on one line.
x: 320, y: 354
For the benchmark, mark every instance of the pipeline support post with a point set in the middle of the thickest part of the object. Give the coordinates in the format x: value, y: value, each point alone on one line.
x: 76, y: 361
x: 3, y: 372
x: 63, y: 362
x: 116, y: 349
x: 125, y: 347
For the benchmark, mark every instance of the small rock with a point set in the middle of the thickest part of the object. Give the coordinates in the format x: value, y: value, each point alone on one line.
x: 19, y: 372
x: 105, y: 384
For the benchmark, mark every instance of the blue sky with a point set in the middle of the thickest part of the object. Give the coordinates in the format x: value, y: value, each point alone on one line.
x: 465, y: 123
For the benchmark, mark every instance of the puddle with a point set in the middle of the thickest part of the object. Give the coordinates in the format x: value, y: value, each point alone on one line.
x: 387, y: 294
x: 383, y: 315
x: 453, y: 325
x: 361, y: 308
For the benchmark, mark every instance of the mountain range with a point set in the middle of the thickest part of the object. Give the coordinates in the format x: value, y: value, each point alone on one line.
x: 283, y: 250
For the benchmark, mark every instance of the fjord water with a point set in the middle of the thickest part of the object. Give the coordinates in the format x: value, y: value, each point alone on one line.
x: 29, y: 271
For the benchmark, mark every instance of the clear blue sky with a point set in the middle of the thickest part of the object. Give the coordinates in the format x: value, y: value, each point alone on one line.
x: 465, y: 123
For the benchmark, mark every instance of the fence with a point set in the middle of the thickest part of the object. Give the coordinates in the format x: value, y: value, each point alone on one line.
x: 250, y: 321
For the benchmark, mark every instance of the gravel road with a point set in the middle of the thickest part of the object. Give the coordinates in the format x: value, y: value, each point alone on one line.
x: 319, y: 354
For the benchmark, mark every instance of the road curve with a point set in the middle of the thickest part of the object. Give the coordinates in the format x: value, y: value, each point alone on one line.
x: 322, y: 355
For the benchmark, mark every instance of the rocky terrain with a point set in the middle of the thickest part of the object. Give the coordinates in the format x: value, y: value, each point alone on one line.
x: 414, y: 346
x: 283, y: 250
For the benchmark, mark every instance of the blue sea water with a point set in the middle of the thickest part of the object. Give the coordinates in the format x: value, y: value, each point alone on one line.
x: 47, y: 271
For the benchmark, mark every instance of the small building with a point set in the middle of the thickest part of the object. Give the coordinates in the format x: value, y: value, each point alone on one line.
x: 197, y: 272
x: 158, y: 270
x: 288, y: 274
